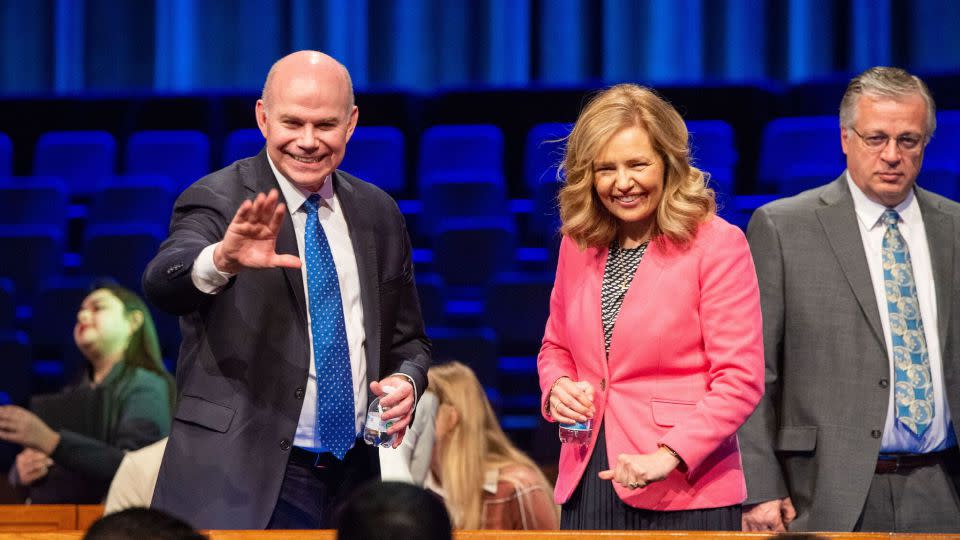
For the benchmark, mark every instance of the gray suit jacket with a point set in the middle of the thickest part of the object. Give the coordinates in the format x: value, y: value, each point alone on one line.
x: 816, y: 434
x: 245, y: 352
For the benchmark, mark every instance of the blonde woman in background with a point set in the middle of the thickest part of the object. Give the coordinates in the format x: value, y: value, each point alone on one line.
x: 485, y: 481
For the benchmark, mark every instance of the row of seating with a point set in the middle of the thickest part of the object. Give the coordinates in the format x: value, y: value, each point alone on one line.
x: 793, y: 151
x: 475, y: 324
x: 470, y: 238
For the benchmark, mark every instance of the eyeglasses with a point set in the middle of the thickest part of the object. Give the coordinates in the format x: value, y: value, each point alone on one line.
x: 876, y: 143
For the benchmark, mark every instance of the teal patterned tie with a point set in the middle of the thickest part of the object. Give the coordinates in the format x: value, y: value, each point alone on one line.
x: 914, y: 387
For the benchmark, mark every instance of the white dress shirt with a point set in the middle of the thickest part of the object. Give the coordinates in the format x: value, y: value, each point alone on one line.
x: 896, y: 438
x: 208, y: 279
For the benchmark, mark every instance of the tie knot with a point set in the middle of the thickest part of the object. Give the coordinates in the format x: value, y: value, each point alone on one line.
x: 312, y: 204
x: 890, y: 218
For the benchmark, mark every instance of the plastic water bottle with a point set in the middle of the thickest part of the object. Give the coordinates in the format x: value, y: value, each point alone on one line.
x: 375, y: 429
x: 578, y: 432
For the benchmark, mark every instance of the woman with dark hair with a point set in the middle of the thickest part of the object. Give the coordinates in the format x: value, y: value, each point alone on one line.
x: 131, y: 398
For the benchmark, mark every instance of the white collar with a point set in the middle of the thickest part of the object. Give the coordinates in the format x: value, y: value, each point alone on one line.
x: 295, y: 195
x: 870, y: 212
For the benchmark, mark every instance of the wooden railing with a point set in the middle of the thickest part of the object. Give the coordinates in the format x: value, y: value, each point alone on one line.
x: 514, y: 535
x: 68, y: 521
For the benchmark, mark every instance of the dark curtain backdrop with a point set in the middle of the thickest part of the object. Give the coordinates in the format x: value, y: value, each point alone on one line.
x: 175, y: 46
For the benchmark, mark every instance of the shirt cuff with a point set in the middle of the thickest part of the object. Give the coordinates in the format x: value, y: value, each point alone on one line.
x: 204, y: 274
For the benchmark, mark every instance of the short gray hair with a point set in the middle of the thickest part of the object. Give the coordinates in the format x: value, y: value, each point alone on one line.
x: 888, y: 82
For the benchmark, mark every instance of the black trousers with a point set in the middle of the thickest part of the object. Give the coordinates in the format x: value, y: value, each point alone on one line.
x: 594, y: 505
x: 314, y: 485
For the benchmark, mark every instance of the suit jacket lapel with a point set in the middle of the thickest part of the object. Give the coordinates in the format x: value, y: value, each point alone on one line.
x: 840, y: 226
x: 645, y: 281
x: 591, y: 291
x: 941, y: 238
x: 365, y: 250
x: 263, y: 181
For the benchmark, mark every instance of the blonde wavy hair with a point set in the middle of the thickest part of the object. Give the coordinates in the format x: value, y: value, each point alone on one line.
x: 686, y: 200
x: 475, y: 444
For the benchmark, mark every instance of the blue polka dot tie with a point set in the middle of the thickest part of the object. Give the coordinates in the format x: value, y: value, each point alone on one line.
x: 914, y: 387
x: 336, y: 429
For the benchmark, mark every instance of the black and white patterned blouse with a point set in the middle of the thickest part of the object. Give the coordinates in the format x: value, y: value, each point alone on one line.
x: 617, y: 275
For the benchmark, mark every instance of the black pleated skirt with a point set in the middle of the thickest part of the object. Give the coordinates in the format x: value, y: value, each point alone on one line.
x: 594, y: 505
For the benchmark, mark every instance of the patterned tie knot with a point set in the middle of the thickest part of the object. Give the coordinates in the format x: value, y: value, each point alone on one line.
x: 312, y: 204
x: 890, y: 218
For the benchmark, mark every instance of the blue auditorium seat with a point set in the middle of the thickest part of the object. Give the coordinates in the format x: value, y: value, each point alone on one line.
x: 17, y: 368
x: 940, y: 178
x: 33, y: 200
x: 132, y: 199
x: 121, y: 251
x: 376, y: 154
x: 242, y: 143
x: 6, y: 155
x: 463, y: 194
x: 15, y: 383
x: 943, y: 151
x: 184, y: 156
x: 475, y: 347
x: 811, y: 143
x: 431, y: 293
x: 543, y: 152
x: 80, y: 158
x: 470, y: 251
x: 800, y: 177
x: 450, y: 148
x: 744, y: 206
x: 56, y: 357
x: 517, y: 307
x: 714, y: 151
x: 30, y: 254
x: 8, y: 305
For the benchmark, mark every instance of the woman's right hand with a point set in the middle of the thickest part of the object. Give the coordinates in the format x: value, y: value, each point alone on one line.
x: 32, y: 465
x: 571, y: 401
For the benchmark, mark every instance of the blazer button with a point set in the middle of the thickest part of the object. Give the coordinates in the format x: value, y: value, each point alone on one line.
x: 603, y: 383
x: 284, y: 445
x: 884, y: 383
x: 299, y: 393
x: 876, y: 434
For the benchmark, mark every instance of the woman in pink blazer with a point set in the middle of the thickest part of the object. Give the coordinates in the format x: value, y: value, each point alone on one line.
x: 654, y: 331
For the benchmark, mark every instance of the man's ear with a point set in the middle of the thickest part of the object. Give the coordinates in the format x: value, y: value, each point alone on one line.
x: 260, y: 111
x: 352, y: 122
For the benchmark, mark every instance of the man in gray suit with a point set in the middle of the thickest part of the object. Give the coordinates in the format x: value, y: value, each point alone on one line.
x: 861, y: 314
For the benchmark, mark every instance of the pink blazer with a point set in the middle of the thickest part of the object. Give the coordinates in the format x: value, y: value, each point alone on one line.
x: 685, y: 366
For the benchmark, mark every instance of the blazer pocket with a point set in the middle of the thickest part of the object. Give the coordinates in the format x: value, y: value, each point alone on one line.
x: 668, y: 413
x: 797, y: 439
x: 195, y: 410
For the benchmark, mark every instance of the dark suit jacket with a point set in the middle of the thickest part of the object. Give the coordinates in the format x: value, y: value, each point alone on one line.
x: 245, y: 356
x: 130, y: 410
x: 816, y: 434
